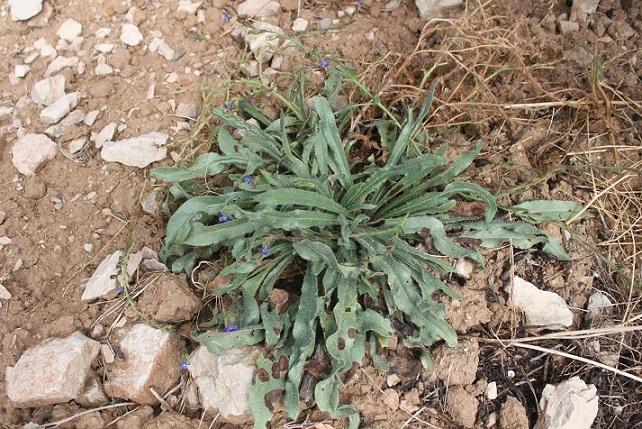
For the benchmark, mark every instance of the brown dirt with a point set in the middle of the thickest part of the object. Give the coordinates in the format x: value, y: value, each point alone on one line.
x: 508, y: 53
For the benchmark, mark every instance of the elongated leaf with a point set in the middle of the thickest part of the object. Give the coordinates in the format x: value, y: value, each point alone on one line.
x: 267, y: 388
x: 298, y: 219
x: 330, y: 133
x: 318, y: 252
x: 476, y: 192
x: 545, y: 210
x: 218, y: 341
x: 299, y: 197
x: 202, y: 235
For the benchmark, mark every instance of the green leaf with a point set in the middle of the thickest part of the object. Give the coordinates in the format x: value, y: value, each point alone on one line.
x: 298, y: 219
x: 218, y: 341
x: 317, y: 252
x: 304, y: 334
x: 202, y: 235
x: 299, y: 197
x: 267, y: 388
x: 330, y: 133
x: 546, y: 210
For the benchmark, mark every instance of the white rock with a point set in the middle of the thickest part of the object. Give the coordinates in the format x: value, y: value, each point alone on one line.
x: 172, y: 78
x: 92, y: 394
x: 48, y: 51
x: 21, y: 10
x: 224, y: 381
x: 568, y: 27
x: 598, y: 304
x: 429, y: 9
x: 32, y: 57
x: 77, y: 145
x: 31, y: 151
x: 465, y: 268
x: 258, y: 8
x: 42, y: 19
x: 138, y: 151
x: 105, y: 278
x: 152, y: 359
x: 156, y: 43
x: 581, y: 10
x: 101, y: 33
x: 103, y: 69
x: 21, y: 70
x: 69, y: 30
x: 4, y: 293
x: 52, y: 372
x: 299, y: 25
x: 47, y: 91
x: 130, y: 35
x: 491, y: 391
x: 90, y: 118
x: 262, y: 44
x: 251, y: 68
x: 55, y: 112
x: 60, y: 63
x: 186, y: 6
x: 350, y: 10
x: 186, y: 110
x: 166, y: 52
x: 105, y: 48
x: 569, y: 405
x: 6, y: 110
x: 105, y: 135
x: 541, y: 308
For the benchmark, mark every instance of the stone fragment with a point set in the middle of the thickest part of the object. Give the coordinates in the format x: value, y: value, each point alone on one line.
x: 391, y: 399
x: 6, y: 110
x: 258, y: 8
x: 52, y: 372
x: 465, y: 268
x: 42, y: 19
x: 135, y: 16
x: 103, y: 69
x: 598, y: 305
x: 186, y: 110
x: 541, y: 308
x: 47, y: 91
x: 165, y: 51
x: 263, y: 43
x: 55, y: 112
x: 150, y: 203
x: 31, y: 151
x: 105, y: 278
x: 569, y: 405
x: 462, y: 406
x: 152, y: 359
x: 168, y: 299
x: 59, y: 63
x: 90, y: 118
x: 105, y: 135
x: 92, y: 394
x: 582, y: 9
x: 4, y: 293
x: 138, y: 151
x: 224, y: 381
x: 512, y: 415
x: 187, y: 7
x: 429, y: 9
x: 21, y: 70
x: 69, y: 30
x: 21, y: 10
x: 130, y: 35
x: 565, y: 27
x: 250, y: 69
x: 491, y: 391
x: 299, y: 25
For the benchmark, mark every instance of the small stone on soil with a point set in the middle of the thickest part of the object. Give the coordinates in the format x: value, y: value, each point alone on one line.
x: 21, y: 10
x: 130, y: 35
x: 69, y: 30
x: 32, y: 151
x: 138, y: 151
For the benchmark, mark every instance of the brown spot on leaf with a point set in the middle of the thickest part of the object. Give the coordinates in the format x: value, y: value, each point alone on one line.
x: 352, y: 333
x: 263, y: 375
x: 341, y: 344
x: 271, y: 397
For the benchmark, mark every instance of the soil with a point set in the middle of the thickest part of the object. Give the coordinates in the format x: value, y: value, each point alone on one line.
x: 66, y: 219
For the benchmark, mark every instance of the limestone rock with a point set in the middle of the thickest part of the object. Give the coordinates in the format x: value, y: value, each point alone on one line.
x: 131, y: 35
x: 92, y: 394
x: 21, y: 10
x: 69, y: 30
x: 462, y: 406
x: 569, y: 405
x: 60, y: 63
x: 224, y: 381
x: 152, y: 359
x: 42, y: 19
x: 541, y: 308
x: 258, y: 8
x: 299, y: 25
x: 21, y: 70
x: 429, y: 9
x: 168, y: 299
x: 105, y: 278
x: 512, y: 415
x: 47, y: 91
x: 599, y: 305
x: 187, y: 7
x: 52, y: 372
x: 262, y: 44
x: 582, y: 9
x: 138, y: 151
x: 105, y: 135
x: 54, y: 113
x: 31, y: 151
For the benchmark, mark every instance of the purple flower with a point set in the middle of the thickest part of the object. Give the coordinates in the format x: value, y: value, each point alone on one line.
x: 228, y: 106
x: 119, y: 289
x: 225, y: 17
x: 249, y: 181
x: 230, y: 328
x: 223, y: 218
x: 183, y: 366
x: 323, y: 64
x: 359, y: 2
x: 265, y: 250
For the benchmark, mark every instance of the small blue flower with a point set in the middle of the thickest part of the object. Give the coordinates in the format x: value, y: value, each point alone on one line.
x: 323, y: 64
x: 223, y: 218
x: 265, y: 250
x: 230, y: 328
x: 119, y: 289
x: 183, y: 366
x: 225, y: 17
x: 359, y: 2
x: 249, y: 181
x: 228, y: 106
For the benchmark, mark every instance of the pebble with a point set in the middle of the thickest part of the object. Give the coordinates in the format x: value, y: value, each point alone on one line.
x: 92, y: 396
x: 429, y: 9
x: 59, y: 63
x: 138, y: 151
x: 31, y: 151
x: 4, y: 241
x: 105, y: 135
x: 568, y: 27
x: 108, y: 355
x: 186, y: 110
x: 47, y: 91
x: 53, y: 372
x: 541, y: 308
x: 42, y: 19
x: 105, y: 278
x: 77, y: 145
x: 166, y: 52
x: 130, y: 35
x: 262, y: 44
x: 90, y: 118
x: 101, y: 33
x: 258, y: 8
x: 299, y: 25
x: 22, y: 10
x: 88, y: 247
x: 6, y: 110
x: 48, y: 51
x: 186, y: 6
x: 491, y: 391
x: 135, y: 16
x: 4, y: 293
x: 55, y: 112
x: 21, y: 70
x: 69, y: 30
x: 570, y: 404
x: 172, y: 78
x: 103, y: 69
x: 325, y: 23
